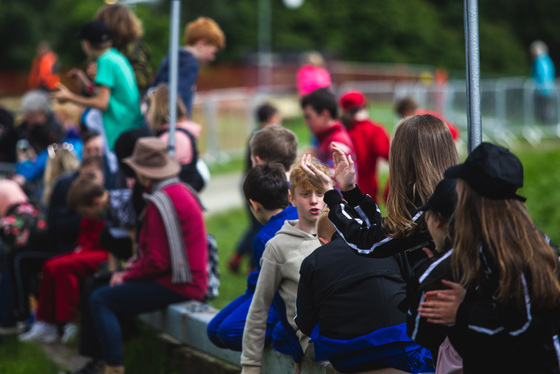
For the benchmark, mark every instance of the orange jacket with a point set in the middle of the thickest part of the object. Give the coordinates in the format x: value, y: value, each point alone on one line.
x: 44, y: 71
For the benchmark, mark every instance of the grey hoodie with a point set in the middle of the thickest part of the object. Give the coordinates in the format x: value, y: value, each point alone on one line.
x: 280, y: 266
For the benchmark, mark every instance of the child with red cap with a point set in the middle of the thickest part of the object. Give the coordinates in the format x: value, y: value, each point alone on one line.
x: 371, y: 140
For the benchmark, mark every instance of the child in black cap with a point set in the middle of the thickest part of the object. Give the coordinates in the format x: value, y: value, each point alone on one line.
x: 433, y: 274
x: 503, y: 312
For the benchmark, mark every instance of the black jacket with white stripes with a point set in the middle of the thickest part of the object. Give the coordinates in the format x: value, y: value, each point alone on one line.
x: 427, y: 276
x: 358, y: 220
x: 492, y: 337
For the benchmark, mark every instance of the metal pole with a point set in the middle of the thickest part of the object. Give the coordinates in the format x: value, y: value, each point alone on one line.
x: 173, y: 72
x: 474, y: 122
x: 265, y: 58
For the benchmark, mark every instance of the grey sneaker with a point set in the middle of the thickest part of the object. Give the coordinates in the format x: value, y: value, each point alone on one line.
x: 40, y: 332
x: 70, y: 331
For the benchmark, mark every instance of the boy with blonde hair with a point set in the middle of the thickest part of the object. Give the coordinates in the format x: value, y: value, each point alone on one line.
x: 280, y: 265
x: 203, y: 38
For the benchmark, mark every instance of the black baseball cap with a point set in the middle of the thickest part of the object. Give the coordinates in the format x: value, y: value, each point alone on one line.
x: 444, y: 198
x: 94, y: 32
x: 491, y: 171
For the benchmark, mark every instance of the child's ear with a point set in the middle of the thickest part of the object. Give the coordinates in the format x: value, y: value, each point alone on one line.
x: 254, y: 205
x: 290, y: 197
x: 326, y: 113
x: 257, y: 160
x: 323, y: 240
x: 440, y: 221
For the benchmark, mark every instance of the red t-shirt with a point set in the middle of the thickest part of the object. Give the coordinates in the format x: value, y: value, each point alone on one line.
x: 371, y: 142
x: 336, y: 133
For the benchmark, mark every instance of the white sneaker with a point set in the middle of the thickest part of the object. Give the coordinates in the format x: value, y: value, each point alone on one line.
x: 70, y: 332
x: 40, y: 332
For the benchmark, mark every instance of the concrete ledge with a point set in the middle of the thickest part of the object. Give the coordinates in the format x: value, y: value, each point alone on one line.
x: 186, y: 322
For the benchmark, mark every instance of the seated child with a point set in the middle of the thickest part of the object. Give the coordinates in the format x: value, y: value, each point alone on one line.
x: 173, y: 262
x: 60, y: 283
x: 348, y: 305
x: 428, y: 276
x: 266, y: 190
x: 271, y: 144
x: 280, y: 266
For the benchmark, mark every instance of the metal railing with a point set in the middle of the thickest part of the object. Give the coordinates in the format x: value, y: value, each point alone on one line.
x: 507, y: 106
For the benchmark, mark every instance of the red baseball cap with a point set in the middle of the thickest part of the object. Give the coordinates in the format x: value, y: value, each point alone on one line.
x: 352, y: 99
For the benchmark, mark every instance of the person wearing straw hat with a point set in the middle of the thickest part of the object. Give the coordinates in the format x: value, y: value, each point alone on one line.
x: 172, y: 264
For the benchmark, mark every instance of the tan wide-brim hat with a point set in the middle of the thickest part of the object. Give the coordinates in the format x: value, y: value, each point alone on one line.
x: 151, y: 160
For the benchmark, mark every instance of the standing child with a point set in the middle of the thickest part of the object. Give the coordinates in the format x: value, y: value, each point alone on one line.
x: 280, y: 266
x: 370, y: 139
x: 320, y: 111
x: 126, y: 31
x: 203, y: 38
x: 116, y: 92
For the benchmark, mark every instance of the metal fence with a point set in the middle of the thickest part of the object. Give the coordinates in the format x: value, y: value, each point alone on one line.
x: 509, y: 113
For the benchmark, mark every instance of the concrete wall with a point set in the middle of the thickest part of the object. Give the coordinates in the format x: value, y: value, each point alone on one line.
x: 186, y: 323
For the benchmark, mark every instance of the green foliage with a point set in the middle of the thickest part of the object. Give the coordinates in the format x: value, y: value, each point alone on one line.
x: 407, y: 31
x: 540, y: 185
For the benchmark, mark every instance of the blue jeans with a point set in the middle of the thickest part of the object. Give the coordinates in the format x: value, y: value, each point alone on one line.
x: 225, y: 330
x: 133, y: 297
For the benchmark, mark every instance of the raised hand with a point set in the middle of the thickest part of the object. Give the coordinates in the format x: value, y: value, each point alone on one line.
x: 344, y: 170
x: 319, y: 180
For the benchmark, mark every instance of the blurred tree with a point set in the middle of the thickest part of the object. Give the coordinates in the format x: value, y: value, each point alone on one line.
x: 406, y: 31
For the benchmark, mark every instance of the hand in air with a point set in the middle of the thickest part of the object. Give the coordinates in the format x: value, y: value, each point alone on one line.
x: 440, y: 307
x: 319, y: 180
x: 344, y: 170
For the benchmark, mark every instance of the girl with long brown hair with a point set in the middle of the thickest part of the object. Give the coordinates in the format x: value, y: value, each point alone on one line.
x: 421, y: 150
x: 504, y: 310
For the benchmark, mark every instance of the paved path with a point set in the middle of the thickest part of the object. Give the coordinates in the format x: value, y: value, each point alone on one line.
x: 222, y: 193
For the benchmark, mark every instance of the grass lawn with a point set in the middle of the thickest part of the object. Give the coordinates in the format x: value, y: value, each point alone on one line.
x: 144, y: 355
x: 20, y: 358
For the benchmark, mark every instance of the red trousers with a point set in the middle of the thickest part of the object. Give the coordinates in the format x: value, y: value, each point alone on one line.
x: 59, y: 291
